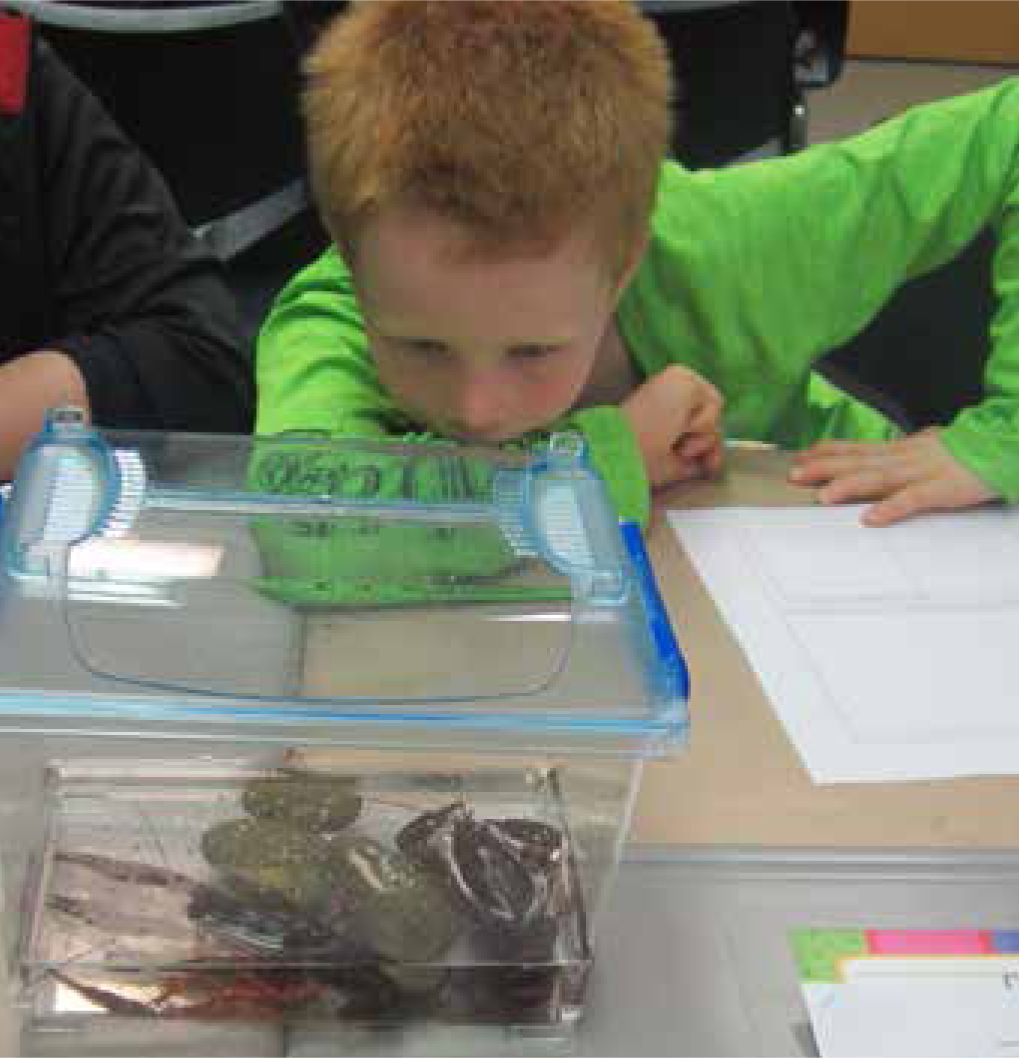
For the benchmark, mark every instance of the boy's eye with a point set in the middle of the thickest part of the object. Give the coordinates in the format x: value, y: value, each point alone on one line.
x: 425, y: 346
x: 533, y: 352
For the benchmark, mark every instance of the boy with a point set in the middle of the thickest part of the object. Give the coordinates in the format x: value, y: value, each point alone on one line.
x: 513, y: 255
x: 108, y: 301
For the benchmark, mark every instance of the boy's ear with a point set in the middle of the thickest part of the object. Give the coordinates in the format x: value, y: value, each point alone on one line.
x: 631, y: 264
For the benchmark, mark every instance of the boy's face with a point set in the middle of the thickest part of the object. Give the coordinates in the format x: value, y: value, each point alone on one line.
x: 473, y: 346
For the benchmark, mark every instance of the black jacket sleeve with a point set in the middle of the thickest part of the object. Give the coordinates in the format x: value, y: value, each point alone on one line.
x: 138, y: 304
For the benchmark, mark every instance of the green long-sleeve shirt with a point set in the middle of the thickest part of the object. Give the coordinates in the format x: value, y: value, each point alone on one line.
x: 752, y: 273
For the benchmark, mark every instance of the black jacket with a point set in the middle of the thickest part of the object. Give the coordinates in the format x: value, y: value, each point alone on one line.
x: 96, y: 262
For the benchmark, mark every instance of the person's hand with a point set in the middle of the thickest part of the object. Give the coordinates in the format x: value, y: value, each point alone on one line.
x: 907, y: 476
x: 676, y: 418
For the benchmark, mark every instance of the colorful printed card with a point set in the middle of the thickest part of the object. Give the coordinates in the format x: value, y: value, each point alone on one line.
x: 896, y: 993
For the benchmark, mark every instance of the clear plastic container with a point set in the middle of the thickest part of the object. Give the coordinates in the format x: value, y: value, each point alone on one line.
x: 312, y: 731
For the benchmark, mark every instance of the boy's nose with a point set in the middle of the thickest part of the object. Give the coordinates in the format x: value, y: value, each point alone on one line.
x: 476, y: 414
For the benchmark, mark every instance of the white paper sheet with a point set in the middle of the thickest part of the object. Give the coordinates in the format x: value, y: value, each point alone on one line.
x: 950, y: 993
x: 894, y: 1008
x: 887, y: 653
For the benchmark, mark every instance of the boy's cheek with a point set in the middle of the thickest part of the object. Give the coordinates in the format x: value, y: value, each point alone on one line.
x: 421, y: 401
x: 399, y: 380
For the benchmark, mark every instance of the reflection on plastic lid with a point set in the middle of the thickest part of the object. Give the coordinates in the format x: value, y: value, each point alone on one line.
x: 125, y: 558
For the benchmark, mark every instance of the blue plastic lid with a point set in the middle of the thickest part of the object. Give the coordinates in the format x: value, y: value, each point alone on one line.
x: 337, y: 588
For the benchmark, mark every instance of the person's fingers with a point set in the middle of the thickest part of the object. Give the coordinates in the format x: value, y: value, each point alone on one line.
x: 706, y: 413
x: 823, y: 468
x: 906, y: 476
x: 831, y: 466
x: 706, y: 450
x: 696, y: 445
x: 829, y: 449
x: 913, y: 499
x: 714, y: 459
x: 673, y: 466
x: 869, y: 483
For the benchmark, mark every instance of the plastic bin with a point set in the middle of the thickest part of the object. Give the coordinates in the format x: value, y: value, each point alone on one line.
x: 302, y: 731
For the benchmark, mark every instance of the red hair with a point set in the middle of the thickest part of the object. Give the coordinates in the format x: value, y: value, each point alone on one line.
x: 514, y: 118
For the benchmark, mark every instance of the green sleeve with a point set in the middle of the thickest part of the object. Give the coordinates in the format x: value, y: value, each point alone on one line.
x: 312, y: 364
x: 818, y: 242
x: 614, y: 454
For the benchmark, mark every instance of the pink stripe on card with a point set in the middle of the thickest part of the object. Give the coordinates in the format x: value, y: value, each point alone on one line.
x: 928, y: 941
